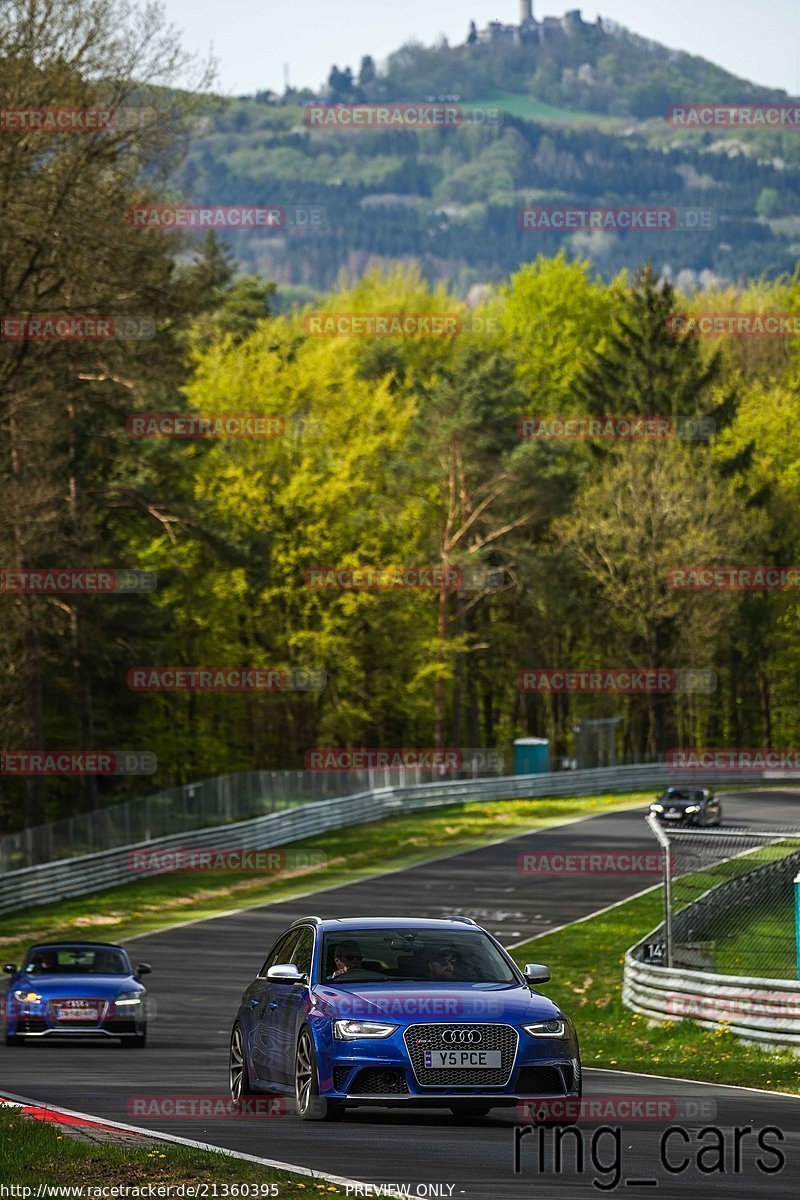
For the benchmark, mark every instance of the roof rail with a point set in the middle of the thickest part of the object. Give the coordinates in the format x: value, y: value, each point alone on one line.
x: 300, y: 920
x: 466, y: 920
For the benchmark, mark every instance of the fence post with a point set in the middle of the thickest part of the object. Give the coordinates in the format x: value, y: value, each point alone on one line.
x: 797, y: 920
x: 663, y: 841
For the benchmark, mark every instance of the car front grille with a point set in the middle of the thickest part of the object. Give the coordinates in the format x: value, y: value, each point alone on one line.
x: 76, y: 1022
x: 379, y: 1081
x: 419, y: 1038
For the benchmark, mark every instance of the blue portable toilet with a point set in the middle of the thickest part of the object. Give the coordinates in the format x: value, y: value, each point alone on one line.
x: 531, y: 756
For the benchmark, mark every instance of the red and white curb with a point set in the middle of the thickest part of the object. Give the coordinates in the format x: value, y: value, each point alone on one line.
x: 67, y: 1116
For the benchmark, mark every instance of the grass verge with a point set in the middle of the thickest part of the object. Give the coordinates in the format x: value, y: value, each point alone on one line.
x: 586, y: 961
x: 153, y: 903
x: 34, y: 1152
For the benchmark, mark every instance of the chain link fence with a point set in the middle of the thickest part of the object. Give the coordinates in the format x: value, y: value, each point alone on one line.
x: 212, y: 802
x: 729, y: 902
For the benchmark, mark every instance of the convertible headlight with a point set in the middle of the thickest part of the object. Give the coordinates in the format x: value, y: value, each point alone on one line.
x: 656, y: 808
x: 348, y: 1030
x: 547, y: 1029
x: 128, y: 998
x: 692, y: 808
x: 26, y: 997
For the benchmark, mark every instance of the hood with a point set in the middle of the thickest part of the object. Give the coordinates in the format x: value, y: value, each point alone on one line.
x: 681, y: 804
x: 407, y: 1003
x: 78, y: 985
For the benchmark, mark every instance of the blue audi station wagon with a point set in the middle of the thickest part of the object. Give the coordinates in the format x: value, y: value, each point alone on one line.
x: 394, y: 1012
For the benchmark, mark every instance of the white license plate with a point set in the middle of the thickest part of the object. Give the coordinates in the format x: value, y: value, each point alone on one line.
x: 89, y: 1012
x: 445, y: 1060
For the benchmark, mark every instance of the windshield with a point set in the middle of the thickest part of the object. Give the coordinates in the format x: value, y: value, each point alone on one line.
x: 415, y: 955
x: 76, y: 960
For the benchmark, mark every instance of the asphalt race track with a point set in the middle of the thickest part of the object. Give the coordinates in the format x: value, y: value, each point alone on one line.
x: 200, y: 971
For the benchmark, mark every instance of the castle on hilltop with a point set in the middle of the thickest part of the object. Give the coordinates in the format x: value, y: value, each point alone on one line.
x: 531, y: 30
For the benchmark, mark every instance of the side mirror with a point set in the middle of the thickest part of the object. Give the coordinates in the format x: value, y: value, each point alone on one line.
x: 285, y: 973
x: 143, y: 969
x: 10, y: 968
x: 536, y: 973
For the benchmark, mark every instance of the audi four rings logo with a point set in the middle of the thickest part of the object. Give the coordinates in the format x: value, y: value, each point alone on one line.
x: 462, y: 1035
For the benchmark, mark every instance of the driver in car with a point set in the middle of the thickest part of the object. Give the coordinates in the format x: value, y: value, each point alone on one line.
x: 45, y: 960
x: 346, y: 957
x: 441, y: 964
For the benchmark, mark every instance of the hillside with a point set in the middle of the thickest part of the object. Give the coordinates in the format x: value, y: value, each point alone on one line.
x: 578, y: 120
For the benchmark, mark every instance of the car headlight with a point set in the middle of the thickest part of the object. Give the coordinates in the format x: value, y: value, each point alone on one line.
x: 125, y: 998
x: 348, y: 1030
x: 547, y: 1029
x: 26, y: 997
x: 693, y: 808
x: 656, y: 808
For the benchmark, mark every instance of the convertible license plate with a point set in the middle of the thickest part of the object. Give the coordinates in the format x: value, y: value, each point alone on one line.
x: 84, y: 1012
x: 444, y: 1060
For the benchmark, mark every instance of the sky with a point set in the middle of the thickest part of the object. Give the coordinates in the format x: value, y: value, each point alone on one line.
x: 253, y: 40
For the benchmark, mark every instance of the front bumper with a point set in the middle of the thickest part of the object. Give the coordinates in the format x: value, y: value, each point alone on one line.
x: 372, y: 1071
x: 39, y: 1021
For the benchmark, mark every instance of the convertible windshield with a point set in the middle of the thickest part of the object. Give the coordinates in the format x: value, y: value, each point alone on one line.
x: 76, y: 960
x: 415, y: 955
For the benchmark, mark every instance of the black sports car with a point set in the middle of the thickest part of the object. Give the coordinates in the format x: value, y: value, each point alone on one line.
x: 687, y: 806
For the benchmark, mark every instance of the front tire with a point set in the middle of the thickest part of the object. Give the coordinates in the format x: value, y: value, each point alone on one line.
x: 310, y: 1105
x: 238, y: 1070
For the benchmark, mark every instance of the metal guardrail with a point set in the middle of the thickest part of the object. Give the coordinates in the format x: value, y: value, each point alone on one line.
x: 109, y: 868
x: 761, y: 1010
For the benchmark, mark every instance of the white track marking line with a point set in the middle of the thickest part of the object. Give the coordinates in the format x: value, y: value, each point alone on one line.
x: 588, y: 917
x: 734, y: 1087
x: 182, y: 1141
